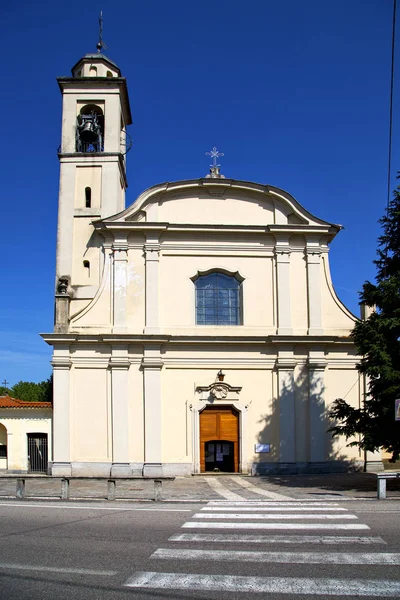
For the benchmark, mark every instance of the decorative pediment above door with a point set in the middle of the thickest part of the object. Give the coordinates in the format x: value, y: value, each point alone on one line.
x: 218, y: 390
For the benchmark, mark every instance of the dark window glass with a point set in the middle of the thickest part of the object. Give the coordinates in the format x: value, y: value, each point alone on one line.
x: 88, y: 197
x: 3, y: 451
x: 217, y: 300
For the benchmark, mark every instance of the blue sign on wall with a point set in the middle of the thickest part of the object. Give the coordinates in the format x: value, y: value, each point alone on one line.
x: 262, y: 448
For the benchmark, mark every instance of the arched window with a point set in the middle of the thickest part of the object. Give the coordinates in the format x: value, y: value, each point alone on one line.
x: 88, y: 197
x: 218, y: 299
x: 86, y: 265
x: 109, y: 74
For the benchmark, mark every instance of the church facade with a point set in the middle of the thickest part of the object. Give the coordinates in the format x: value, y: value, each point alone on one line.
x: 197, y: 330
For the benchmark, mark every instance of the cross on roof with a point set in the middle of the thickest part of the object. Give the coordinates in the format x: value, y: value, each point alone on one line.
x: 214, y: 155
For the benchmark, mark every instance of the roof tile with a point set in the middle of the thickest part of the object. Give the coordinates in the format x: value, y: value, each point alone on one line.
x: 8, y: 402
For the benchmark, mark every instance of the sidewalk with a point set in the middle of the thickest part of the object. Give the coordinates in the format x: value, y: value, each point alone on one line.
x: 335, y: 486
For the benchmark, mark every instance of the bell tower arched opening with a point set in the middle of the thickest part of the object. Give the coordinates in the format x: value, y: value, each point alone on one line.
x: 90, y: 129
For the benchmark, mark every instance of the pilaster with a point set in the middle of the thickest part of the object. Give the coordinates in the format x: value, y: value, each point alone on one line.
x: 120, y: 256
x: 151, y: 366
x: 282, y: 257
x: 313, y: 257
x: 119, y: 366
x: 152, y: 257
x: 317, y: 418
x: 285, y: 365
x: 61, y: 411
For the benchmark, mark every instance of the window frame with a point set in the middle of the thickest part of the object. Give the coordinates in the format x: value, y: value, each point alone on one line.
x: 233, y: 275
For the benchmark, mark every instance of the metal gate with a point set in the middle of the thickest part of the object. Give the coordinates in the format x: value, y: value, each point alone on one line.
x: 37, y: 453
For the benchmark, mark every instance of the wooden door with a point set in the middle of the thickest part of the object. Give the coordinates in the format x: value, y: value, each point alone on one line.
x: 219, y: 424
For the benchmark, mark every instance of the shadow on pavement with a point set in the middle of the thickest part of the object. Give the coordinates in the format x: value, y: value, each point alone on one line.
x: 331, y: 482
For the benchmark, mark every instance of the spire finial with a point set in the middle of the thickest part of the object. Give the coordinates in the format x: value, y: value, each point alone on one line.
x: 101, y: 44
x: 214, y: 170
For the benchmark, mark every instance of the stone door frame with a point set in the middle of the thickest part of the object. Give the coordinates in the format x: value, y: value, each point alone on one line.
x: 208, y: 396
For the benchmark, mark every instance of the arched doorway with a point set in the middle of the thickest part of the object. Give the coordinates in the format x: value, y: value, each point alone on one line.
x: 219, y: 439
x: 3, y: 447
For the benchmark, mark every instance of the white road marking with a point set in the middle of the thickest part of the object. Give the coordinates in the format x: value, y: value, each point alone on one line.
x: 282, y: 516
x: 220, y: 489
x: 304, y: 502
x: 74, y: 507
x: 39, y: 568
x: 325, y: 526
x: 275, y: 539
x: 294, y: 503
x: 376, y: 588
x: 256, y: 490
x: 274, y: 508
x: 315, y: 558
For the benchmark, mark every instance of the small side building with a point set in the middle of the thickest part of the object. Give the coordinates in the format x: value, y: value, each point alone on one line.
x: 25, y: 435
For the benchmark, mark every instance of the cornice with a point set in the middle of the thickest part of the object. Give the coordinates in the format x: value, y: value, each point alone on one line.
x: 233, y: 338
x: 289, y: 230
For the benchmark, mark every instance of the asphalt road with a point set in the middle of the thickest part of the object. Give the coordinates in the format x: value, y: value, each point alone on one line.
x: 216, y: 550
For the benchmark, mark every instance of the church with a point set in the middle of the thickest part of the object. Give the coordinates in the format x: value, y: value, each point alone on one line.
x: 197, y: 330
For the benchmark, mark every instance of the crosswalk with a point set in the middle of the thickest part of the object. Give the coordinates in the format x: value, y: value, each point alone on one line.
x: 227, y: 493
x: 276, y: 543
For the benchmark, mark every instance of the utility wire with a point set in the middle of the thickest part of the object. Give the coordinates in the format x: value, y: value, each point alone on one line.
x: 391, y: 105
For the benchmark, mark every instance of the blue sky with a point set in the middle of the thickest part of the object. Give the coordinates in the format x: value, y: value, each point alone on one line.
x: 296, y: 94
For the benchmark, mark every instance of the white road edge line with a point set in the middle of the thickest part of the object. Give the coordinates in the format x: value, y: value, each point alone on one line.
x: 275, y: 508
x: 305, y: 501
x: 74, y: 507
x: 313, y: 558
x: 225, y: 503
x: 268, y: 585
x: 282, y: 516
x: 12, y: 566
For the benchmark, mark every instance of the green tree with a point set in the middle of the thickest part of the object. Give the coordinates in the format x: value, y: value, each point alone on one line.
x: 4, y: 391
x: 377, y: 340
x: 33, y: 392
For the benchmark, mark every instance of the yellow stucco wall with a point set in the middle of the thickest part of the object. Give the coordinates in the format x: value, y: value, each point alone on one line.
x: 18, y: 423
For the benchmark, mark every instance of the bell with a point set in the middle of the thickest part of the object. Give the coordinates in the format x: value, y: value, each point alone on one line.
x: 88, y: 132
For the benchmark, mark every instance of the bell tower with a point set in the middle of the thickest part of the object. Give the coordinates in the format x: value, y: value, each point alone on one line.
x: 95, y: 115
